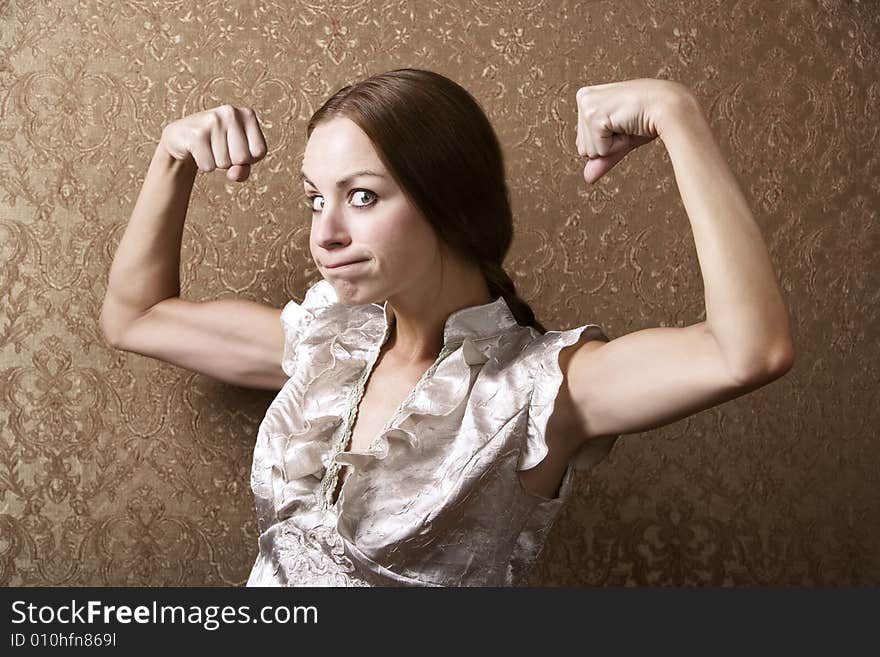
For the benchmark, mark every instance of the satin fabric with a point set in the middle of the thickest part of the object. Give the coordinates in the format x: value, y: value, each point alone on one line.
x: 435, y: 500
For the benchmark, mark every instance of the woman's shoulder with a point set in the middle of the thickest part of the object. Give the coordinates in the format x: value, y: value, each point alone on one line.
x: 530, y: 346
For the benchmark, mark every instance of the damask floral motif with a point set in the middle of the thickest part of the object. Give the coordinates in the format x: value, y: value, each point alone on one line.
x: 57, y: 480
x: 336, y: 41
x: 512, y: 43
x: 147, y: 545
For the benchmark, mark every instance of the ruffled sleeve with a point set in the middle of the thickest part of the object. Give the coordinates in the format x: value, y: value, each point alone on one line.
x: 296, y: 318
x: 544, y: 354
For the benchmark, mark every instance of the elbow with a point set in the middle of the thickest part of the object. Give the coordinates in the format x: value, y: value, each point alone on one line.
x: 108, y: 332
x: 776, y: 363
x: 783, y: 360
x: 109, y: 339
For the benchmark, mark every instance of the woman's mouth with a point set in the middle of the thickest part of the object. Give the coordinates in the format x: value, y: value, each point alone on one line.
x: 344, y: 265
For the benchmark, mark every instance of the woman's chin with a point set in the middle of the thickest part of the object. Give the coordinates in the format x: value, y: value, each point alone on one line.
x: 350, y: 293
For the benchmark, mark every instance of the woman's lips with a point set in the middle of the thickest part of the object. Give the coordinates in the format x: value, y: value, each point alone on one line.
x: 345, y: 264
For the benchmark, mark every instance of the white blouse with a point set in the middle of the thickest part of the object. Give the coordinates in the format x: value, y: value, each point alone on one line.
x: 436, y: 499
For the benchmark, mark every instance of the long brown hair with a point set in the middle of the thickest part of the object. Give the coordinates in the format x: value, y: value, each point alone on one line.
x: 438, y: 144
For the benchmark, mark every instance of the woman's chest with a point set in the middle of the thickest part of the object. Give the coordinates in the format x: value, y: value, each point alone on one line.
x: 386, y: 389
x: 381, y: 400
x: 383, y: 395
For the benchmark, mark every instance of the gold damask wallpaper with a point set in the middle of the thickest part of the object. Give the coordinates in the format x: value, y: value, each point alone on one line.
x: 116, y: 469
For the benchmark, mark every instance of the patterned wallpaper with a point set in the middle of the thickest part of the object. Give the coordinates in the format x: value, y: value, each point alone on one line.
x: 119, y: 469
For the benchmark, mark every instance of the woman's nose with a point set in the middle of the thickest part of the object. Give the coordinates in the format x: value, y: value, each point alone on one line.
x: 330, y: 227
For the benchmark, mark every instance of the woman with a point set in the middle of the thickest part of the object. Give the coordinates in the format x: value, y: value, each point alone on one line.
x: 427, y: 426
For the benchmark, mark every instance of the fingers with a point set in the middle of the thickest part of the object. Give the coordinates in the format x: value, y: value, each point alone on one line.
x: 219, y: 149
x: 239, y: 153
x: 601, y: 138
x: 602, y: 153
x: 596, y: 138
x: 245, y: 142
x: 236, y: 143
x: 202, y: 152
x: 596, y: 167
x: 256, y: 140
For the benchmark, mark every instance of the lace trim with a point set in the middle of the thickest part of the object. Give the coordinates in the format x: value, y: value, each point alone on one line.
x: 331, y: 476
x: 343, y: 435
x: 315, y: 558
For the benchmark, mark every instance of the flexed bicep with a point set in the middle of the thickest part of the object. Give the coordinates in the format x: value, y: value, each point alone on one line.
x: 652, y: 377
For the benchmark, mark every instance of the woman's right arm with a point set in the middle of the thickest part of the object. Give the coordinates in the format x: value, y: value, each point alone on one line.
x: 233, y: 340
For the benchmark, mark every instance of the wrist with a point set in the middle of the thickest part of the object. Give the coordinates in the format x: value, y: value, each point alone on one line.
x: 186, y: 166
x: 678, y: 109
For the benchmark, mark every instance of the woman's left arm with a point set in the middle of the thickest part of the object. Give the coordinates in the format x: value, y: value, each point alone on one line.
x: 654, y: 376
x: 744, y: 307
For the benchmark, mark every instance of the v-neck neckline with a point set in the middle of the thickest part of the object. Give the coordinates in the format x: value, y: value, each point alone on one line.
x: 475, y: 322
x: 330, y: 483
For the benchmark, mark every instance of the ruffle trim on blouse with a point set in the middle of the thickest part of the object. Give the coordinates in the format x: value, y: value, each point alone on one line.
x: 294, y: 438
x: 310, y: 428
x: 289, y: 459
x: 443, y: 390
x: 548, y: 378
x: 296, y: 318
x: 469, y: 336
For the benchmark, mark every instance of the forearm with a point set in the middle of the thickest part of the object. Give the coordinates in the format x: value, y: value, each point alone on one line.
x: 146, y: 267
x: 744, y: 306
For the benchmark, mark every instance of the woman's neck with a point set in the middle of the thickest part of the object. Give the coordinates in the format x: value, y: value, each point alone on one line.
x: 419, y: 319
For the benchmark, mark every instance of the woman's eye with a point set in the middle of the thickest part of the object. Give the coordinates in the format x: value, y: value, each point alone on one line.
x: 311, y: 202
x: 368, y: 193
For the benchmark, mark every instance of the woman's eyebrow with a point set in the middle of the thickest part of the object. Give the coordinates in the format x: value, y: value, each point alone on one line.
x: 343, y: 181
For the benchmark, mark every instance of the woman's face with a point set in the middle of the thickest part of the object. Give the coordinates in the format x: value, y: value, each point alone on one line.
x: 363, y: 218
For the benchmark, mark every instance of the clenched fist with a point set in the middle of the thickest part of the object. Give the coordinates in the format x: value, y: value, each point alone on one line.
x: 225, y: 137
x: 618, y: 117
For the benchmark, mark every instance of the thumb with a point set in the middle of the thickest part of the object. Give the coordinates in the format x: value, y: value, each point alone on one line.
x: 238, y: 172
x: 599, y: 166
x: 621, y: 145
